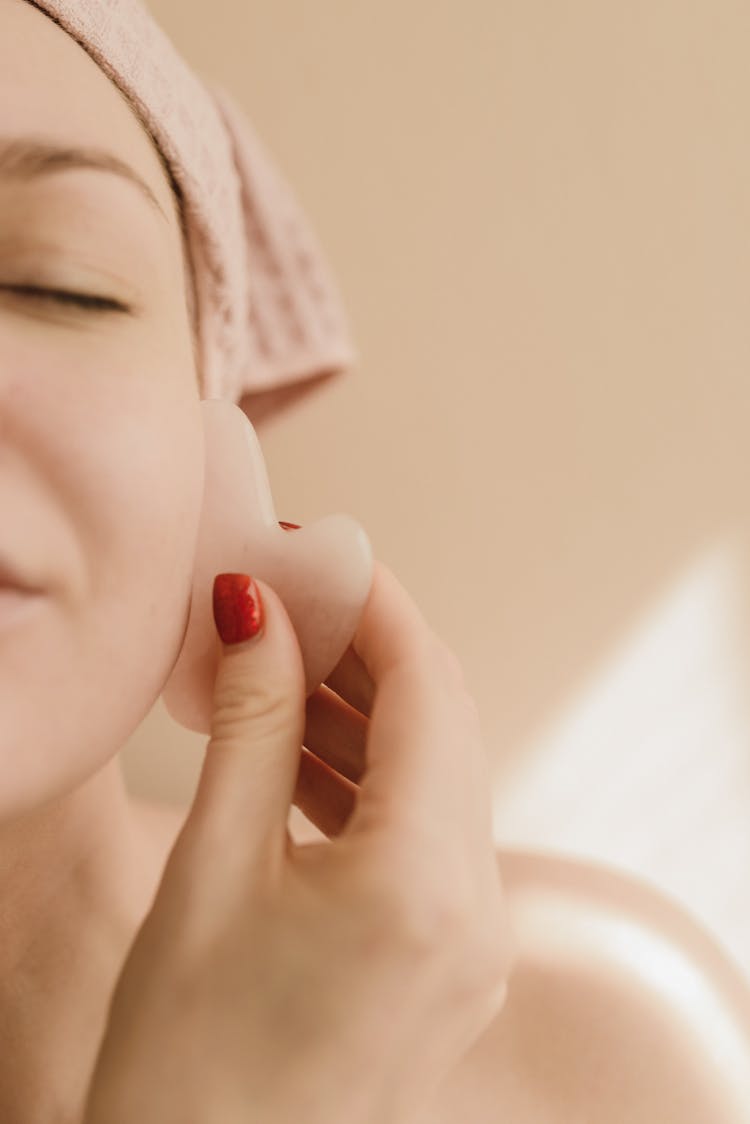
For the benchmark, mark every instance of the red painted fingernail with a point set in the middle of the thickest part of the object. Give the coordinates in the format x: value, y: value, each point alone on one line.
x: 238, y: 608
x: 289, y: 526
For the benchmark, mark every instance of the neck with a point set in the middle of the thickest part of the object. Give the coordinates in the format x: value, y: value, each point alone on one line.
x: 75, y: 884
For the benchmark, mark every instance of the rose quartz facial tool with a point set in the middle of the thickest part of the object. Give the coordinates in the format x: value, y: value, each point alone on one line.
x: 322, y: 572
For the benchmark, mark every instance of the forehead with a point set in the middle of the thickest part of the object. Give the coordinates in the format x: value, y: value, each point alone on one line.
x: 51, y: 88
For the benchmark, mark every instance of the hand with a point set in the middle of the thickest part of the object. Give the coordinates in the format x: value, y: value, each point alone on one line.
x: 337, y: 981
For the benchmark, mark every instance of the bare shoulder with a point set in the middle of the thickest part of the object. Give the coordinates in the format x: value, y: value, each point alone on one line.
x: 615, y: 1010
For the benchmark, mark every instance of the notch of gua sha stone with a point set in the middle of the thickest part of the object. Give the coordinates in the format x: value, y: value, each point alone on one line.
x: 322, y: 572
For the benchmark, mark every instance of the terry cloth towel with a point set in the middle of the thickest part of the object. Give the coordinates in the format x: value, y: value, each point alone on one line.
x: 271, y: 323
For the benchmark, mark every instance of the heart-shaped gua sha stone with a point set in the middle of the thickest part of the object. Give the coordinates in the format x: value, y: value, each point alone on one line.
x: 322, y: 572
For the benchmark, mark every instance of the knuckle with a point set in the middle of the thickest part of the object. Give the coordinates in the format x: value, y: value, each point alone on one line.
x: 444, y: 919
x: 429, y: 920
x: 490, y: 954
x: 470, y: 711
x: 460, y: 937
x: 264, y: 706
x: 448, y: 661
x: 496, y: 944
x: 401, y: 908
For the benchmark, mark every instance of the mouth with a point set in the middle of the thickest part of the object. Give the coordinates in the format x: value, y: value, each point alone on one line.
x: 12, y: 581
x: 17, y: 604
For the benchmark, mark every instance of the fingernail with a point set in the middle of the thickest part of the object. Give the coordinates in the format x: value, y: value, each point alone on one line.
x: 238, y: 608
x: 289, y: 526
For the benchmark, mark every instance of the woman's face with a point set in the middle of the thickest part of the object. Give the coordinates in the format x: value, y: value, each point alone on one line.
x: 101, y: 454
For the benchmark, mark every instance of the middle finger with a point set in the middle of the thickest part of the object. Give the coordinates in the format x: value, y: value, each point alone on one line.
x: 336, y: 733
x: 351, y: 681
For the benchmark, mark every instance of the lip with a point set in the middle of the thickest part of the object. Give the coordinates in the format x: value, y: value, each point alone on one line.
x: 11, y: 578
x: 17, y: 606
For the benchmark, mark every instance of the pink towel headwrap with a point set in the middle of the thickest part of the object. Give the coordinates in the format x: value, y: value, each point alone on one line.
x: 270, y: 318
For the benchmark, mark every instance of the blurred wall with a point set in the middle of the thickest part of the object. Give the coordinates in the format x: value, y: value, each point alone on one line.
x: 538, y: 214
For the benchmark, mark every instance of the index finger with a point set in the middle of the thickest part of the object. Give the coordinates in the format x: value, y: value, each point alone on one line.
x: 425, y: 757
x: 351, y: 682
x: 391, y: 627
x: 351, y: 679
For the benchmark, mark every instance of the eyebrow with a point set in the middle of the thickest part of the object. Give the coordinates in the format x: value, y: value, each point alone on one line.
x: 25, y: 158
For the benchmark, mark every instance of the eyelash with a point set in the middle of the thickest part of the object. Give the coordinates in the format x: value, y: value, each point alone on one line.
x: 62, y: 296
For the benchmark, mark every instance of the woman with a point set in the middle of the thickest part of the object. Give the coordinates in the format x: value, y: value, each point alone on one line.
x: 150, y: 969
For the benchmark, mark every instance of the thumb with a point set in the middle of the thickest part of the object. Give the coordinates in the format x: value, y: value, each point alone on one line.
x: 249, y: 773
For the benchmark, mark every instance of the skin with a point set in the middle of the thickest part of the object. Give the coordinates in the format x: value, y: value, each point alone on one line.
x: 100, y: 491
x: 101, y: 486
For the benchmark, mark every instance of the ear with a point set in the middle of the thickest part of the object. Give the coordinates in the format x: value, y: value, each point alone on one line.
x: 322, y: 572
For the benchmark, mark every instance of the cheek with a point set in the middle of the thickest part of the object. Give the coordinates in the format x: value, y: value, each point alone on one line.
x: 135, y: 511
x: 119, y: 476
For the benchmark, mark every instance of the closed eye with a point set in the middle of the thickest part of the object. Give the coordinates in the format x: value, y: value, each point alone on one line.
x: 62, y: 296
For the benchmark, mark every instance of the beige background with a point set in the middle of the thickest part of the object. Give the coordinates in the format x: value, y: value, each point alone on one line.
x: 538, y: 214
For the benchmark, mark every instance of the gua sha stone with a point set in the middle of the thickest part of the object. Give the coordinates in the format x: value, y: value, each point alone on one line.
x: 322, y: 572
